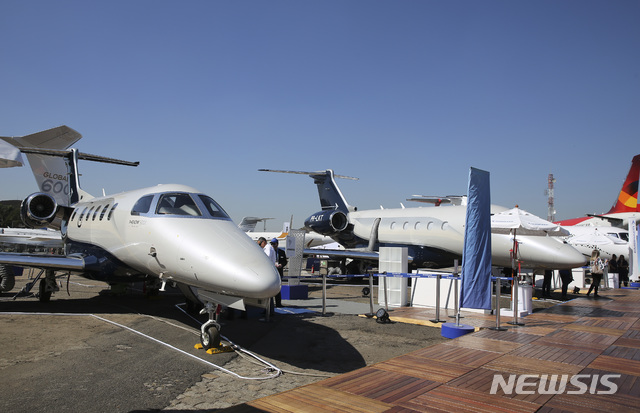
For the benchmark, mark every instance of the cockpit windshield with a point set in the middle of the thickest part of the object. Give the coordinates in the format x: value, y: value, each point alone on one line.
x: 177, y: 204
x: 622, y: 235
x: 213, y: 208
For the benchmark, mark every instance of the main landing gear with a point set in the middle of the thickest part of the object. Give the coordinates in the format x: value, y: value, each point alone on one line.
x: 47, y: 286
x: 210, y: 331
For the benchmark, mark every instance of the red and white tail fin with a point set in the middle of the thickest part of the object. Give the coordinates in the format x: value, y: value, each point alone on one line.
x: 628, y: 198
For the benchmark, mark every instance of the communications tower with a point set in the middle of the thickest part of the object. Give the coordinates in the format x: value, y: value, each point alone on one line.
x: 551, y: 212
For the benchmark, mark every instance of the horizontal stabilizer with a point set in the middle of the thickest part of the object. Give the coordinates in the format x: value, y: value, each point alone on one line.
x: 83, y: 156
x: 61, y: 137
x: 307, y: 173
x: 439, y: 200
x: 248, y: 224
x: 9, y: 156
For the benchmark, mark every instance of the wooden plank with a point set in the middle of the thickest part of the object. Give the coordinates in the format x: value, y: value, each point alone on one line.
x: 514, y: 336
x: 447, y: 398
x: 525, y: 365
x: 456, y: 355
x: 586, y: 403
x: 629, y: 353
x: 434, y: 370
x: 383, y: 385
x: 481, y: 380
x: 318, y: 399
x: 628, y: 342
x: 554, y: 353
x: 616, y: 365
x: 478, y: 343
x: 593, y: 329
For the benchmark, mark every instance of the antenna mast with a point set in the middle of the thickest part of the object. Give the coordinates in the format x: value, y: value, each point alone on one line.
x: 551, y: 212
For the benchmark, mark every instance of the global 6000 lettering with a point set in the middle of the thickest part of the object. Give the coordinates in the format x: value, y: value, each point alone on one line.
x: 187, y: 237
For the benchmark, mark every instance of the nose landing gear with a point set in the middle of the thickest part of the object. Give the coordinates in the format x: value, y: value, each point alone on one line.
x: 210, y: 331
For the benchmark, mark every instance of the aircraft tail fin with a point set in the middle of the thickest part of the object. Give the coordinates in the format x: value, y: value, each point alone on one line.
x: 627, y: 200
x: 248, y: 224
x: 331, y: 197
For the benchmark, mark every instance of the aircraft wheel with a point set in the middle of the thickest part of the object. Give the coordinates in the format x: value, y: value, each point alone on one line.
x: 43, y: 295
x: 210, y: 338
x: 7, y: 279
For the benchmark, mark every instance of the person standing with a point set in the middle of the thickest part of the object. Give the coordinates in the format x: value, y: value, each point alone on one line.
x: 546, y: 284
x: 597, y: 269
x: 281, y: 262
x: 613, y: 268
x: 567, y: 278
x: 268, y: 249
x: 271, y: 253
x: 623, y: 271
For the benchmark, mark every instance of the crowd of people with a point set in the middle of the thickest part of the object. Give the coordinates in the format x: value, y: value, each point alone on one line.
x: 618, y: 265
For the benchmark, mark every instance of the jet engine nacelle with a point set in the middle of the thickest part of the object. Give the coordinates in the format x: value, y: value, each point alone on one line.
x: 327, y: 222
x: 40, y: 209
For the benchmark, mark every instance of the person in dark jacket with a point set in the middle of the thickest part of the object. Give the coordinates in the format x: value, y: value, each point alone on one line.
x: 281, y: 262
x: 623, y: 271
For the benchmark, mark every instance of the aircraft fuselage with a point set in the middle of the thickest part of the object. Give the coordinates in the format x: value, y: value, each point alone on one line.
x: 145, y: 232
x: 443, y: 228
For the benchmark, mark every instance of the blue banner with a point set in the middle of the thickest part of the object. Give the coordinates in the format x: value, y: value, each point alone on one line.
x: 476, y: 259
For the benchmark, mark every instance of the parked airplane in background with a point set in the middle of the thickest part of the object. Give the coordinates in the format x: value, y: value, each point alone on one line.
x: 434, y: 236
x: 607, y: 240
x: 311, y: 240
x: 624, y: 208
x: 171, y: 233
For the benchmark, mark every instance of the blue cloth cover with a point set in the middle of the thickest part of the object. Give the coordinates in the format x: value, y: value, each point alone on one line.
x: 476, y: 259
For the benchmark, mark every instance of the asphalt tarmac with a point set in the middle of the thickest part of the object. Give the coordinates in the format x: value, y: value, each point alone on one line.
x: 94, y: 351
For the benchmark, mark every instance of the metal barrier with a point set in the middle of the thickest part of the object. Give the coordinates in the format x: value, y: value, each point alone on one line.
x: 438, y: 276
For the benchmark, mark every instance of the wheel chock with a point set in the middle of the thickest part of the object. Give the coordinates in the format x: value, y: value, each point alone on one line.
x: 215, y: 350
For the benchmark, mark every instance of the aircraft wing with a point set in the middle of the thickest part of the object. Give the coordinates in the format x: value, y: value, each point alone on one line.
x: 616, y: 222
x: 58, y: 262
x: 362, y: 255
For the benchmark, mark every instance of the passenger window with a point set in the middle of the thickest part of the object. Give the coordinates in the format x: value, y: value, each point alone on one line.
x: 82, y: 214
x: 95, y: 213
x: 89, y: 213
x: 113, y: 208
x: 73, y: 216
x: 178, y: 204
x: 142, y: 206
x: 104, y: 211
x: 213, y: 208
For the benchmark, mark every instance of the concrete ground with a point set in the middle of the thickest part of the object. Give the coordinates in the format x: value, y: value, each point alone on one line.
x: 94, y: 351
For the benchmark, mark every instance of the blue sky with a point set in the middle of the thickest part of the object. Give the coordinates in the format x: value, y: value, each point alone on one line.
x: 405, y: 95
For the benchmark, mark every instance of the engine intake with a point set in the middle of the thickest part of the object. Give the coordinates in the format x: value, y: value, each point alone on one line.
x: 327, y: 222
x: 39, y: 209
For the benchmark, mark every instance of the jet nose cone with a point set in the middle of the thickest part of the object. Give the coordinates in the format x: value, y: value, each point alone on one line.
x: 263, y: 280
x: 569, y: 257
x: 550, y: 253
x: 219, y: 257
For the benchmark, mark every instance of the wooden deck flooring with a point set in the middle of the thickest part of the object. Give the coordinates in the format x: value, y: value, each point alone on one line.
x: 583, y: 336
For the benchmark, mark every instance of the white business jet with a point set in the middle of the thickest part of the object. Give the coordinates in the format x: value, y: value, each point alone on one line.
x: 609, y: 241
x: 172, y: 232
x: 434, y: 235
